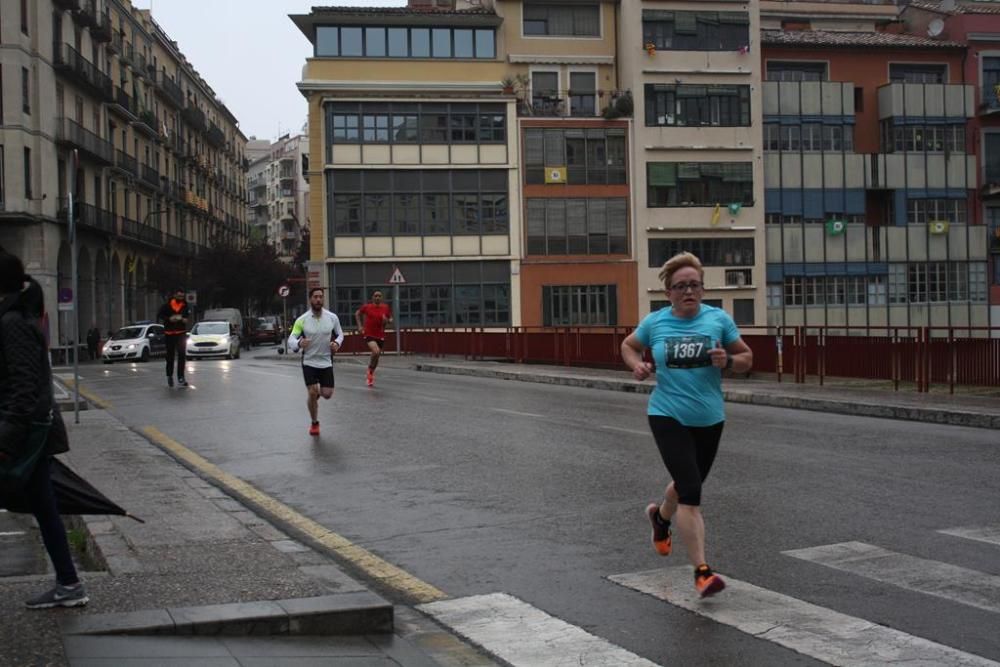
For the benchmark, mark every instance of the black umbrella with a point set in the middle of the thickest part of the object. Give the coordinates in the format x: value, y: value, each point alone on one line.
x: 74, y: 495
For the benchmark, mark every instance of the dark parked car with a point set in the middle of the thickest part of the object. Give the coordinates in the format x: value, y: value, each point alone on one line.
x: 266, y: 329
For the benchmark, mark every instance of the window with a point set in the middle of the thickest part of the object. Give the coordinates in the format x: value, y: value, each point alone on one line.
x: 545, y: 98
x: 917, y: 73
x: 591, y: 156
x: 582, y: 93
x: 711, y: 252
x: 923, y: 138
x: 27, y: 174
x: 672, y: 184
x: 793, y: 289
x: 408, y: 123
x: 796, y: 71
x: 577, y: 226
x: 695, y: 31
x: 991, y: 79
x: 694, y: 106
x: 396, y: 42
x: 580, y: 20
x: 991, y: 150
x: 923, y: 211
x: 24, y: 16
x: 743, y: 311
x: 26, y: 90
x: 775, y: 295
x: 579, y: 305
x: 384, y: 202
x: 3, y: 180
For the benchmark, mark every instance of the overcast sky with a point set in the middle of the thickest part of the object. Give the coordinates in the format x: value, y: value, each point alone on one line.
x: 249, y: 52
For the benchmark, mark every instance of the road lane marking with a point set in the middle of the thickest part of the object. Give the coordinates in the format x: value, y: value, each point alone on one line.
x: 520, y: 634
x: 988, y: 534
x: 11, y: 533
x: 803, y: 627
x: 515, y: 412
x: 625, y: 430
x: 950, y: 582
x: 89, y: 395
x: 375, y: 567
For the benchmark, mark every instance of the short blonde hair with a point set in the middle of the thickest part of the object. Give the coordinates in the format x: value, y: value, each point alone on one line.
x: 680, y: 261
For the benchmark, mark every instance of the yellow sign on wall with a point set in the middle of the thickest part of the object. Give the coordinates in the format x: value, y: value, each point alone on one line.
x: 555, y: 175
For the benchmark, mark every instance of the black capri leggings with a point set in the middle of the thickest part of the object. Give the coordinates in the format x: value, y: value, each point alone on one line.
x: 688, y: 453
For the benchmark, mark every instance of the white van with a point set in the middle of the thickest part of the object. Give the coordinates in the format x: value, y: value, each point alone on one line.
x: 231, y: 315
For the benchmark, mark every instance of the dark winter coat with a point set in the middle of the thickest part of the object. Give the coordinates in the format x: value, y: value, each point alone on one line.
x: 25, y: 378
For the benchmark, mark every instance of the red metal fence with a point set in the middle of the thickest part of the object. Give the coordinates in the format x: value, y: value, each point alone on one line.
x: 921, y: 356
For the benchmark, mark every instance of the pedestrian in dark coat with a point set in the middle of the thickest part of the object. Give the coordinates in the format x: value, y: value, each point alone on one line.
x: 26, y: 405
x: 93, y: 340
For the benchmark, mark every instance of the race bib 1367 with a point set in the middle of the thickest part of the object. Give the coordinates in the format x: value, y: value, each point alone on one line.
x: 688, y: 351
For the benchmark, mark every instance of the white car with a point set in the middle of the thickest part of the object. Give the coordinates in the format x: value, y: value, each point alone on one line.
x: 213, y: 339
x: 135, y: 342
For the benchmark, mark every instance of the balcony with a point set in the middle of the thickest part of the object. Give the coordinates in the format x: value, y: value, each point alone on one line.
x: 808, y: 98
x: 86, y: 13
x: 71, y: 133
x: 573, y: 104
x: 918, y: 100
x: 87, y: 215
x: 172, y: 92
x: 127, y: 53
x: 124, y: 104
x: 179, y: 246
x: 917, y: 171
x: 115, y: 43
x: 144, y: 233
x: 126, y: 163
x: 101, y: 30
x: 991, y: 191
x: 74, y: 66
x: 147, y: 124
x: 195, y: 117
x: 67, y: 4
x: 215, y: 136
x: 150, y: 176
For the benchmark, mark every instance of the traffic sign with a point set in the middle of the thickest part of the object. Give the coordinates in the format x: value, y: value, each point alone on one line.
x: 284, y: 291
x: 65, y: 294
x: 192, y: 297
x: 397, y: 277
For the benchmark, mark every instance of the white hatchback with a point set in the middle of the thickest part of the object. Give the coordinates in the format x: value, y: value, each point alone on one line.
x: 213, y: 339
x: 135, y: 342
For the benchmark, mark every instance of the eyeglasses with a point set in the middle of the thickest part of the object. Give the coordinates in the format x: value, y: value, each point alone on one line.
x: 683, y: 287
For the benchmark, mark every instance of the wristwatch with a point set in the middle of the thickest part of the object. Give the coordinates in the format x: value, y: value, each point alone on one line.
x: 729, y: 362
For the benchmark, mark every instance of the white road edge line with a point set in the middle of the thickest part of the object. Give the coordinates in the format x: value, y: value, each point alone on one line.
x: 798, y: 625
x: 624, y: 430
x: 930, y: 577
x: 988, y: 534
x: 515, y: 412
x: 520, y: 634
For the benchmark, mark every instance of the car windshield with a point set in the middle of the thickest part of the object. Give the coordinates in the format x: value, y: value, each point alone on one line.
x: 128, y: 332
x: 211, y: 328
x: 264, y: 324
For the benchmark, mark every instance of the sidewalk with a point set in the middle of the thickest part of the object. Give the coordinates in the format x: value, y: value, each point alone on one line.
x: 203, y: 581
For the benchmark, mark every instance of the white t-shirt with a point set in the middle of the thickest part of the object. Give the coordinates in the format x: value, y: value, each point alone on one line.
x: 319, y: 330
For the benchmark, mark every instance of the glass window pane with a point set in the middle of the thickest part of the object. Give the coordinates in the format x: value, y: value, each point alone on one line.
x: 327, y: 43
x: 420, y: 42
x: 485, y: 47
x: 463, y: 43
x: 375, y: 42
x: 397, y: 43
x: 350, y: 42
x: 442, y: 42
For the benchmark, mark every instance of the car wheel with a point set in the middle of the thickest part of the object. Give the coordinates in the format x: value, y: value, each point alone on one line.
x: 107, y: 361
x: 145, y: 355
x: 237, y: 355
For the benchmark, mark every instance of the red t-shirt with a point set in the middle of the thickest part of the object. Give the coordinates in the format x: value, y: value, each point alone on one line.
x: 375, y: 317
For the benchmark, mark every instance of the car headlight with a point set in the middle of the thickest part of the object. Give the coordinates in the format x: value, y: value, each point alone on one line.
x: 131, y: 346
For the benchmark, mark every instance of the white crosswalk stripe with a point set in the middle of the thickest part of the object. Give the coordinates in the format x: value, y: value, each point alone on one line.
x: 988, y: 534
x: 958, y: 584
x: 821, y: 633
x: 520, y: 634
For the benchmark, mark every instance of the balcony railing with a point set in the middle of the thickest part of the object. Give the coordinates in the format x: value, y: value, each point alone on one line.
x: 568, y: 103
x: 66, y: 4
x: 115, y: 43
x: 147, y: 124
x: 195, y: 117
x: 86, y: 13
x: 127, y: 53
x: 215, y: 136
x: 87, y: 215
x: 72, y: 133
x: 101, y: 30
x: 125, y: 102
x: 126, y: 163
x: 69, y: 61
x: 179, y: 246
x: 133, y: 230
x: 171, y: 90
x: 991, y: 189
x: 150, y: 175
x: 937, y: 100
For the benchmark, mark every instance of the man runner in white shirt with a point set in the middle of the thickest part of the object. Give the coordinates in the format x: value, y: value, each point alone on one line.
x: 313, y: 333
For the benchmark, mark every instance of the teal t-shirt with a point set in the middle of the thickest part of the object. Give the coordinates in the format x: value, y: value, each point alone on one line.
x: 688, y: 386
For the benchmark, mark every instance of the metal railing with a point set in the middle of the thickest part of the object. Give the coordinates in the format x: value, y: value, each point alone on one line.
x: 126, y: 162
x: 69, y: 60
x: 150, y: 175
x: 215, y: 136
x: 71, y: 132
x: 87, y: 215
x: 566, y: 103
x: 171, y: 90
x: 195, y: 117
x: 124, y: 100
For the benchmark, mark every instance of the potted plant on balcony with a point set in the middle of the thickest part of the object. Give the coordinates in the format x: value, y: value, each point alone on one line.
x: 508, y: 85
x: 650, y: 48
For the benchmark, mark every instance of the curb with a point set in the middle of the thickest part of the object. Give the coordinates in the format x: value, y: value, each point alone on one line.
x: 355, y: 613
x: 902, y: 412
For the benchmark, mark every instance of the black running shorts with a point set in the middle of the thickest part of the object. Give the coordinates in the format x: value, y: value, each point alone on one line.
x: 378, y: 341
x: 321, y: 376
x: 688, y: 452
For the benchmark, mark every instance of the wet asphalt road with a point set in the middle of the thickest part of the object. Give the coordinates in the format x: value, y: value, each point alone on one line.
x: 478, y: 486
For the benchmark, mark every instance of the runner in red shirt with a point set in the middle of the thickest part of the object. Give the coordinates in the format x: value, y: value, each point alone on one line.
x: 376, y: 315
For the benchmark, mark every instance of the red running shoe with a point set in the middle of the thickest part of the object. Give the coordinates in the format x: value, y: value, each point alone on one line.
x: 314, y: 429
x: 661, y: 534
x: 707, y: 582
x: 370, y: 378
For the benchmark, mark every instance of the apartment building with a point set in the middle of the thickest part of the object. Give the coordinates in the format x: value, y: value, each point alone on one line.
x: 278, y: 193
x: 870, y: 171
x: 697, y: 167
x: 414, y: 161
x: 574, y: 119
x: 977, y: 26
x: 158, y: 167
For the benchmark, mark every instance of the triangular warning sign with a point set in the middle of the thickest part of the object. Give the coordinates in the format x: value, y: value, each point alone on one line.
x: 397, y: 277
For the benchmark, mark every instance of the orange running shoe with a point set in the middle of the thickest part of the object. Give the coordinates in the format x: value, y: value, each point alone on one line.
x: 314, y: 429
x: 707, y: 582
x: 661, y: 531
x: 370, y: 377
